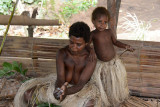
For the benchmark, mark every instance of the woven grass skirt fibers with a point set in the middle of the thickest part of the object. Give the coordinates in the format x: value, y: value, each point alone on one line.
x: 111, y: 79
x: 44, y: 93
x: 107, y: 86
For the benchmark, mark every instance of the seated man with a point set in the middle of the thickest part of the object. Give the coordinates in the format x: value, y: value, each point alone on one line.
x: 72, y: 86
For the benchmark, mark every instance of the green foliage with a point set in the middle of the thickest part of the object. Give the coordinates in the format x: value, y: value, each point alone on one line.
x: 37, y: 1
x: 5, y: 7
x: 8, y: 69
x: 32, y: 1
x: 47, y: 105
x: 52, y: 4
x: 74, y: 6
x: 29, y: 1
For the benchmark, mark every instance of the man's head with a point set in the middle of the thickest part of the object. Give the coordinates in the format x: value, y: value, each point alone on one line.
x: 79, y: 34
x: 80, y: 30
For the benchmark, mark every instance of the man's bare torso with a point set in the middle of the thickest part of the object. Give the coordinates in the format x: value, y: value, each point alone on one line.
x: 103, y: 45
x: 74, y: 65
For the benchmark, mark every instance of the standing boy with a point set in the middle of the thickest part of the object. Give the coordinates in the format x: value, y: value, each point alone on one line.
x: 110, y: 71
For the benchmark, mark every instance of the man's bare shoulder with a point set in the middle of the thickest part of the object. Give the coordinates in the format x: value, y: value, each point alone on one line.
x: 62, y: 51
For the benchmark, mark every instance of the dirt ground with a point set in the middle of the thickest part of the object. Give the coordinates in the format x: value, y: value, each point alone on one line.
x: 147, y: 11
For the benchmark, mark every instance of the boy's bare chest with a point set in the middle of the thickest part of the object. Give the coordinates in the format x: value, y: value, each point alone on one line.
x: 102, y: 39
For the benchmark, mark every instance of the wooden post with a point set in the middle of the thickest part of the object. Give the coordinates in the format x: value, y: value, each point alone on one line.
x: 113, y: 7
x: 118, y: 4
x: 31, y: 27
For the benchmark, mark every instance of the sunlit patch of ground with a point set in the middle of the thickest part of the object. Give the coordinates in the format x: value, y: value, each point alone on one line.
x: 149, y: 36
x: 51, y: 32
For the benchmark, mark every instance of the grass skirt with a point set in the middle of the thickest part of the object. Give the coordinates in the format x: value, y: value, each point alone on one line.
x: 111, y: 79
x: 44, y: 93
x: 107, y: 86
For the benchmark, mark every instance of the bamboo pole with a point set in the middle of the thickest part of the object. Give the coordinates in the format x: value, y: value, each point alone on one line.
x: 27, y: 21
x: 5, y: 34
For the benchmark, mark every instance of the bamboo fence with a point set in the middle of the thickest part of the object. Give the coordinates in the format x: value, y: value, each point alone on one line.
x: 38, y: 55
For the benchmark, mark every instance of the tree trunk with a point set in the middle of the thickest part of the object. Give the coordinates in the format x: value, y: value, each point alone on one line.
x: 113, y: 7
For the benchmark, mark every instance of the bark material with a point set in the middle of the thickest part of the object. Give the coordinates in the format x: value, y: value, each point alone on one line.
x: 31, y: 27
x: 113, y: 7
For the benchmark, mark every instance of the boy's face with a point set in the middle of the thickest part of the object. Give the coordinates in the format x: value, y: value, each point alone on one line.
x: 76, y: 44
x: 101, y: 23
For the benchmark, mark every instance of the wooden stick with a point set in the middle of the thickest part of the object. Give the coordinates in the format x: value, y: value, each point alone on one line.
x: 5, y: 34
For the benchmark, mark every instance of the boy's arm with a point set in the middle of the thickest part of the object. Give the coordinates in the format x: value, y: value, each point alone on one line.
x: 90, y: 49
x: 120, y: 44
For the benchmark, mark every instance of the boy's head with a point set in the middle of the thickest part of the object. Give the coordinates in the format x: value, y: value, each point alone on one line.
x: 80, y: 30
x: 100, y: 11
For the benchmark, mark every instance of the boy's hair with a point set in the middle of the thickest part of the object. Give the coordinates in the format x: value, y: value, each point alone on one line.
x: 99, y: 11
x: 80, y: 29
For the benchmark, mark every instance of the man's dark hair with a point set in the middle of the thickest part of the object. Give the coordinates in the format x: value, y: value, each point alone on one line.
x: 80, y: 29
x: 99, y: 11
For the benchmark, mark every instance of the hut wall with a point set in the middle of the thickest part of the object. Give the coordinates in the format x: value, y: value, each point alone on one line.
x: 38, y: 55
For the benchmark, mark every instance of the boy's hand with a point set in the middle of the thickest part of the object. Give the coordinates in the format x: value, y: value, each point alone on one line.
x: 129, y: 48
x: 92, y: 55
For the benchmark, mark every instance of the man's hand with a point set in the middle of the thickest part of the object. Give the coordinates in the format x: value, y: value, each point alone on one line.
x: 64, y: 89
x: 57, y: 93
x: 129, y: 48
x: 60, y: 93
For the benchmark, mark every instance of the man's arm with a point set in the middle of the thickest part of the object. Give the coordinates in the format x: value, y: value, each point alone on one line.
x: 60, y: 68
x: 85, y: 76
x: 60, y: 73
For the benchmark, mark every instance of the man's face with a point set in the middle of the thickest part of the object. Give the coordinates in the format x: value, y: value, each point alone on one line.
x: 101, y: 23
x: 76, y: 44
